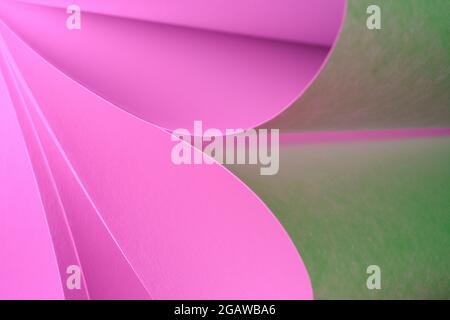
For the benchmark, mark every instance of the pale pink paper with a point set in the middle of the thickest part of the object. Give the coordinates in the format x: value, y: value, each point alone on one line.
x: 188, y: 232
x: 139, y: 226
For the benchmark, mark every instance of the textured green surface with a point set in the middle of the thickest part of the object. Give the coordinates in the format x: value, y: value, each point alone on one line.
x: 391, y: 78
x: 347, y: 206
x: 350, y: 205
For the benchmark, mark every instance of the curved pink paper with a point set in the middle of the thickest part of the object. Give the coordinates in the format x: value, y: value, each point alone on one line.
x: 149, y: 63
x: 300, y: 21
x: 180, y: 232
x: 28, y: 267
x: 73, y: 220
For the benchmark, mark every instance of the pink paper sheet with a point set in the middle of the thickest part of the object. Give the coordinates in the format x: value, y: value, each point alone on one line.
x: 92, y: 156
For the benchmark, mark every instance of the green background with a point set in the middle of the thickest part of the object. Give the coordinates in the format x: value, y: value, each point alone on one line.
x: 396, y: 77
x: 348, y: 205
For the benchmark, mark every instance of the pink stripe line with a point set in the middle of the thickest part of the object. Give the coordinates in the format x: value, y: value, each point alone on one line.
x: 355, y: 136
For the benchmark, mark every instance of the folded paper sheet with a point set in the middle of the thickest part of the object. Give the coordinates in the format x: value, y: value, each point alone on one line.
x: 83, y: 138
x: 171, y: 75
